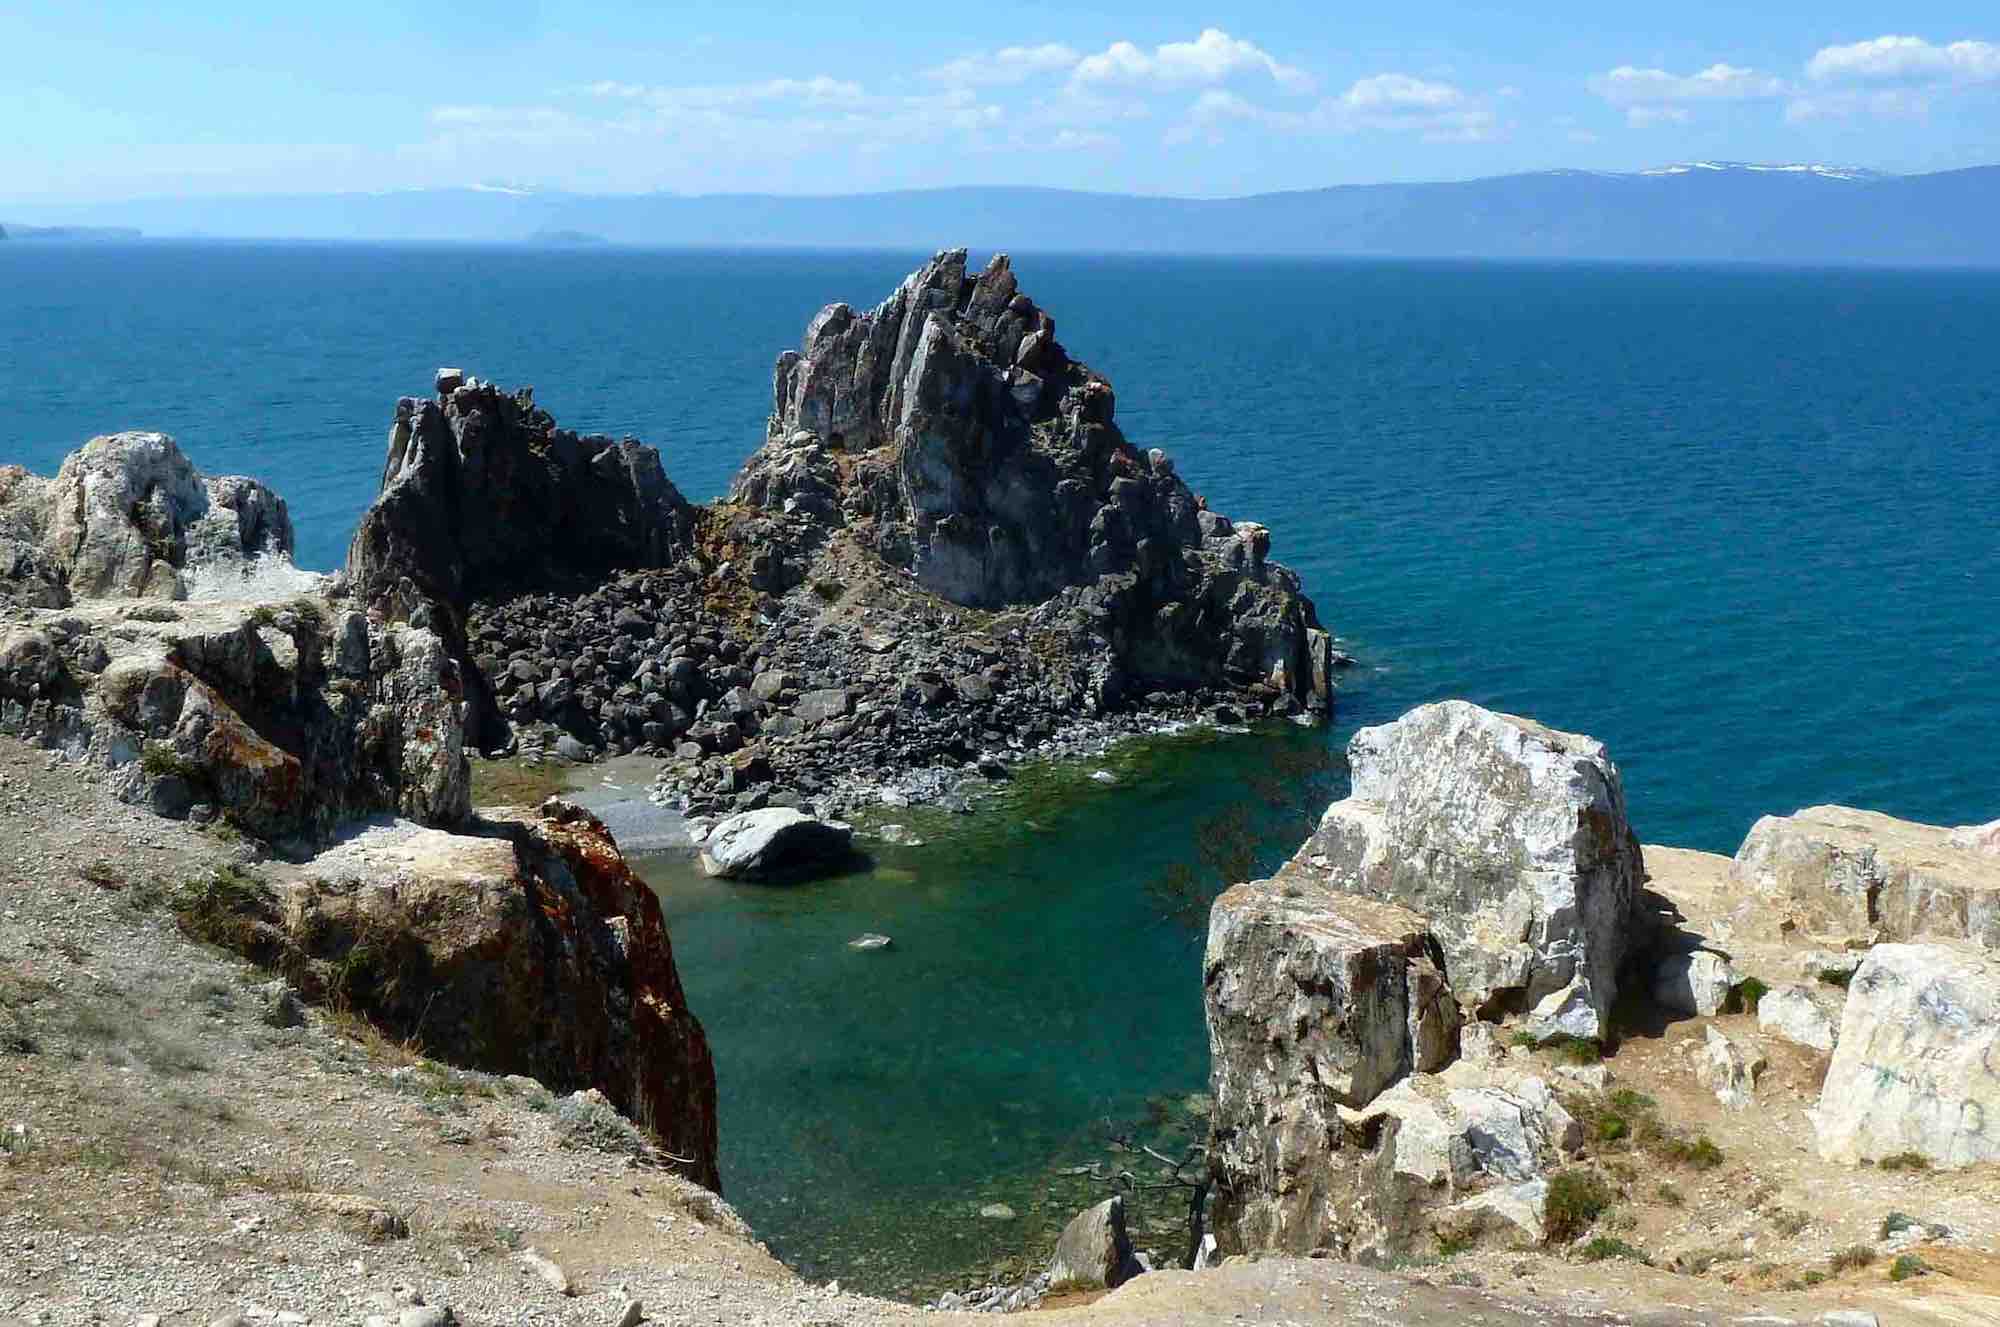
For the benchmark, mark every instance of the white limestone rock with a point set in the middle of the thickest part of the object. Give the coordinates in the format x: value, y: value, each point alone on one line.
x: 776, y: 843
x: 1510, y: 838
x: 1866, y: 874
x: 1800, y: 1015
x: 1729, y: 1069
x: 1917, y: 1067
x: 130, y: 516
x: 1696, y: 983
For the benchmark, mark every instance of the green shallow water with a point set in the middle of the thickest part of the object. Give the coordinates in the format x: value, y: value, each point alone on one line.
x: 1040, y: 1001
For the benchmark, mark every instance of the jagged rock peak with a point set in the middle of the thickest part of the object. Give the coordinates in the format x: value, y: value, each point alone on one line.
x: 846, y: 386
x: 951, y: 432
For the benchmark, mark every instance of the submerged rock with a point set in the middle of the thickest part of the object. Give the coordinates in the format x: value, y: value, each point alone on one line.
x: 777, y: 843
x: 1914, y: 1068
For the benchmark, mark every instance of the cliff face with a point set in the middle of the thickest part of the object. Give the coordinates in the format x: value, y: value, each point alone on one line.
x: 523, y: 945
x: 481, y: 495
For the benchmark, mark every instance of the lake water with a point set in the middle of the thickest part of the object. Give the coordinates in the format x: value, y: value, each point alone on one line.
x: 1742, y: 525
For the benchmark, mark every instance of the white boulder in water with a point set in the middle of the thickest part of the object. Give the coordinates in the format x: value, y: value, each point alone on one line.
x: 776, y: 843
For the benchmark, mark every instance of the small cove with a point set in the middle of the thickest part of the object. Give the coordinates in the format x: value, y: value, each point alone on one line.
x: 1041, y: 1000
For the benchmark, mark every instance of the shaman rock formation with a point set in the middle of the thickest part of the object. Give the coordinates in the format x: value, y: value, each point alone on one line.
x: 944, y: 543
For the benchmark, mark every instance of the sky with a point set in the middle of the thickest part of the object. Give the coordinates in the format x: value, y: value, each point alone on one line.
x: 114, y: 99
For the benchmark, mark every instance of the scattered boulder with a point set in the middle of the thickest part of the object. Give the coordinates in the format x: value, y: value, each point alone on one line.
x: 1862, y: 873
x: 776, y: 843
x: 1510, y: 840
x: 1799, y: 1014
x: 1729, y: 1069
x: 1697, y: 983
x: 1094, y: 1252
x: 1914, y: 1067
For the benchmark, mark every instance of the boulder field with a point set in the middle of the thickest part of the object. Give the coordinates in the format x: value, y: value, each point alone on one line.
x: 1372, y: 1007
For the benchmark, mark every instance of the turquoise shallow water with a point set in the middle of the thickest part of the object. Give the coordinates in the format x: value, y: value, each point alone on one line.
x: 1743, y: 525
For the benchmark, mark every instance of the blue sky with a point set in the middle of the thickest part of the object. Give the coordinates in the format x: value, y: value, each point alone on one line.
x: 112, y: 99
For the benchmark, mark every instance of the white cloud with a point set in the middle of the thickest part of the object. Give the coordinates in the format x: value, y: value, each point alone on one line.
x: 1645, y: 117
x: 1396, y: 93
x: 1389, y: 103
x: 820, y: 90
x: 1213, y: 57
x: 1005, y: 67
x: 1906, y: 60
x: 1628, y: 86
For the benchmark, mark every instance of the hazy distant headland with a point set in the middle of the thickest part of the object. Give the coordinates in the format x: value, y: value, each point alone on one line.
x: 1694, y: 212
x: 72, y: 234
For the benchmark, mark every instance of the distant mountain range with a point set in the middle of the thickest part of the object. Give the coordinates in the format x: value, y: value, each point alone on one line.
x: 1693, y: 212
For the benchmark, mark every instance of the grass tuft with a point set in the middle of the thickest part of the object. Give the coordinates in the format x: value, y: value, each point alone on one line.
x: 1576, y: 1198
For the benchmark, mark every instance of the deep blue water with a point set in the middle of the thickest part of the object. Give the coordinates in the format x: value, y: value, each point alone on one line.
x: 1742, y: 525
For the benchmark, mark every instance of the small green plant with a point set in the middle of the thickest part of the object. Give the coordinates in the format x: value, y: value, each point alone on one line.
x: 584, y: 1121
x: 1906, y: 1266
x: 1451, y: 1244
x: 1611, y: 1128
x: 1671, y: 1196
x: 1700, y: 1154
x: 226, y: 908
x: 1852, y: 1258
x: 1789, y: 1223
x: 1906, y: 1161
x: 1745, y: 995
x: 1896, y: 1223
x: 1605, y: 1246
x: 103, y: 874
x: 160, y: 760
x: 1576, y: 1198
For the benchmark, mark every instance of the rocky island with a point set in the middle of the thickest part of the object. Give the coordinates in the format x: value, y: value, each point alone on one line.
x: 305, y: 1035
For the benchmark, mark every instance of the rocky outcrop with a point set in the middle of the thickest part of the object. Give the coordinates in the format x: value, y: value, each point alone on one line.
x: 483, y: 495
x: 128, y: 516
x: 1510, y: 840
x: 1917, y: 1067
x: 1840, y: 871
x: 286, y: 719
x: 1315, y: 1001
x: 524, y: 946
x: 1800, y: 1014
x: 950, y: 432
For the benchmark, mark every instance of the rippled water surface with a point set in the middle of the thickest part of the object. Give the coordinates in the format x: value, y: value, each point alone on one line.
x: 1742, y: 525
